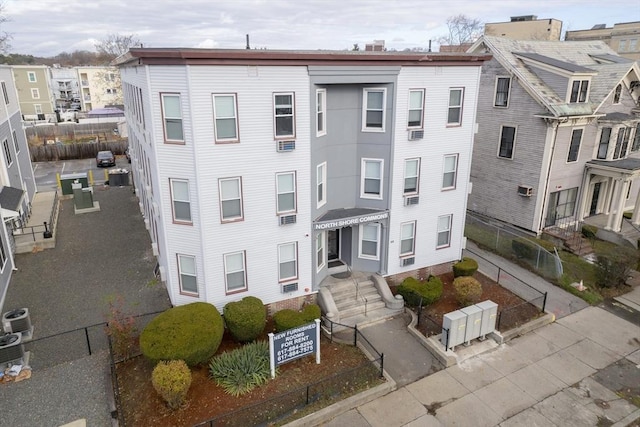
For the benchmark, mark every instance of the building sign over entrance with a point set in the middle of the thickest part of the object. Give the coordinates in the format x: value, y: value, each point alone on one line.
x: 346, y: 222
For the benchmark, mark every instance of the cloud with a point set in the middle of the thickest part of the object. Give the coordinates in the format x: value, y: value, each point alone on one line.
x: 207, y: 44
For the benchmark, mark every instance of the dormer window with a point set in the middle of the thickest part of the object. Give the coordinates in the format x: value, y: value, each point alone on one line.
x: 579, y: 91
x: 617, y: 94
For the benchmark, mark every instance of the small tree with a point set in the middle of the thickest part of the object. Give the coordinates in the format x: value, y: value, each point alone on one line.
x: 613, y: 269
x: 114, y: 45
x: 4, y: 36
x: 461, y: 30
x: 121, y: 328
x: 172, y: 379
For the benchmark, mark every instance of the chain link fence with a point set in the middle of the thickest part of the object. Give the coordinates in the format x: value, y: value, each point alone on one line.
x: 514, y: 246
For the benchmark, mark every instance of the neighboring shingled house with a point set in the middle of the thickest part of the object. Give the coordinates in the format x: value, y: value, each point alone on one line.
x: 558, y: 134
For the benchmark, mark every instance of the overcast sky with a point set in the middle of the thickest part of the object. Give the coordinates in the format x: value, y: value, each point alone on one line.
x: 48, y: 27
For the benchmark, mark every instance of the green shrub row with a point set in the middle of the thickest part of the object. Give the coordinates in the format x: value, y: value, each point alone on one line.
x: 412, y: 290
x: 241, y: 370
x: 288, y: 319
x: 245, y: 319
x: 172, y: 379
x: 465, y: 267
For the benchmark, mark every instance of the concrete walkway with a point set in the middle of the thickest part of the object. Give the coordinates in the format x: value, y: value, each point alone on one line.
x: 559, y: 302
x: 567, y: 373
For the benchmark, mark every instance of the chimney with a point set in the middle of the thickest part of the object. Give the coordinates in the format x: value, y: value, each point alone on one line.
x: 248, y: 47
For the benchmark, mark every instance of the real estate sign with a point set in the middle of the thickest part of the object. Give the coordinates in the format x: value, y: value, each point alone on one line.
x: 293, y: 344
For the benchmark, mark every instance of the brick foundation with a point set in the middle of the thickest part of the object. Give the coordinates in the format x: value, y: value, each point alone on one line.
x: 292, y: 303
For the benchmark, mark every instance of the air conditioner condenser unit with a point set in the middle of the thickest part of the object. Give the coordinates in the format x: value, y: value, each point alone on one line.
x: 18, y: 321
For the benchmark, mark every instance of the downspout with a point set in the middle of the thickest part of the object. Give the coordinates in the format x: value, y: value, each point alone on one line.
x: 556, y: 125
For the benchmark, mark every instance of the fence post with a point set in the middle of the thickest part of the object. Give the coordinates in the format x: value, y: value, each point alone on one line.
x: 544, y: 302
x: 355, y: 335
x: 86, y: 334
x: 498, y: 322
x: 498, y: 279
x: 381, y: 365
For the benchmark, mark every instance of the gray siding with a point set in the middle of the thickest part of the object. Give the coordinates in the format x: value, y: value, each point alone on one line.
x: 559, y: 84
x: 496, y: 180
x: 23, y: 159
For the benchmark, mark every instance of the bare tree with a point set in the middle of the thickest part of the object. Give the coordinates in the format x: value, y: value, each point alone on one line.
x: 4, y: 36
x: 115, y: 45
x: 462, y: 29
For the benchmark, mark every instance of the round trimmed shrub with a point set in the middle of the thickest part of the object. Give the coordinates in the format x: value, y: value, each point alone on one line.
x: 172, y: 379
x: 191, y: 332
x: 465, y: 267
x: 468, y: 290
x: 245, y: 319
x: 311, y: 312
x: 413, y: 289
x: 287, y: 319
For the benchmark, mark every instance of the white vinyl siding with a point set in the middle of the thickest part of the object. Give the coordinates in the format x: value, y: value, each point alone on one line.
x: 369, y: 247
x: 225, y: 117
x: 230, y: 199
x: 416, y: 108
x: 286, y: 190
x: 371, y: 183
x: 411, y: 176
x: 450, y: 173
x: 574, y: 147
x: 321, y: 112
x: 373, y: 111
x: 188, y: 276
x: 288, y: 261
x: 172, y: 116
x: 454, y: 114
x: 407, y: 238
x: 5, y: 93
x: 235, y: 273
x: 181, y: 200
x: 284, y: 115
x: 444, y: 231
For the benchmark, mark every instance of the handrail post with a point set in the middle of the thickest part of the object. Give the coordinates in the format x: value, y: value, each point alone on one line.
x: 381, y: 365
x: 355, y: 335
x: 544, y: 302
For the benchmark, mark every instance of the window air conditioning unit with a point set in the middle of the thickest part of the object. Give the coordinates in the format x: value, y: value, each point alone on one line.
x: 413, y: 200
x: 17, y: 321
x: 289, y: 287
x: 407, y: 261
x: 11, y: 348
x: 287, y: 219
x: 414, y: 135
x: 286, y: 146
x: 525, y: 190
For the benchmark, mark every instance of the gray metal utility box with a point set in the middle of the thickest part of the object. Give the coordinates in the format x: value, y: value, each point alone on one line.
x: 455, y: 322
x: 489, y: 315
x: 474, y: 320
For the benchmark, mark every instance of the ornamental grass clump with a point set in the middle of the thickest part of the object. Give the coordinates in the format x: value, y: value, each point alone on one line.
x: 468, y: 290
x: 172, y: 379
x: 241, y: 370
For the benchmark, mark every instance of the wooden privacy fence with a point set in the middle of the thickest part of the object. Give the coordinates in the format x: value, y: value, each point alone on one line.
x: 53, y: 152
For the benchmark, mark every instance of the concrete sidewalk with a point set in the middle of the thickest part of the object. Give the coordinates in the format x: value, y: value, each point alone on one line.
x: 568, y: 373
x: 559, y: 302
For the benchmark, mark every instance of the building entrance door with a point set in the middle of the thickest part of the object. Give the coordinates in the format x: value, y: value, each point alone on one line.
x: 594, y: 198
x: 333, y: 245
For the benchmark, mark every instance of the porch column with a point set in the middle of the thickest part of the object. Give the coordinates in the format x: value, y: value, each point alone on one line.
x: 608, y: 196
x: 635, y: 219
x: 587, y: 193
x: 616, y: 195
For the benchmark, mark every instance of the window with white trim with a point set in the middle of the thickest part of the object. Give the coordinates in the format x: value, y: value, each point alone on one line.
x: 369, y: 246
x: 454, y: 112
x: 187, y: 273
x: 321, y: 112
x: 284, y: 115
x: 503, y: 86
x: 450, y: 173
x: 38, y: 108
x: 636, y: 139
x: 5, y: 93
x: 15, y: 142
x: 411, y: 176
x: 622, y: 144
x: 407, y: 238
x: 288, y: 261
x: 172, y: 116
x: 31, y: 76
x: 371, y: 184
x: 574, y: 147
x: 617, y: 94
x: 230, y: 199
x: 416, y: 108
x: 373, y: 111
x: 603, y: 146
x: 181, y: 200
x: 507, y: 142
x: 7, y: 152
x: 579, y: 91
x: 321, y: 184
x: 225, y: 117
x: 444, y: 231
x: 286, y: 192
x: 235, y: 274
x: 320, y: 250
x: 35, y: 93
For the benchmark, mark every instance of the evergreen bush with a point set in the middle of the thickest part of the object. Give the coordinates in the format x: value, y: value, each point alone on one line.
x: 191, y: 332
x: 468, y: 290
x: 311, y: 312
x: 240, y: 370
x: 172, y: 379
x: 413, y: 289
x: 245, y: 319
x: 287, y: 319
x: 465, y: 267
x: 589, y: 231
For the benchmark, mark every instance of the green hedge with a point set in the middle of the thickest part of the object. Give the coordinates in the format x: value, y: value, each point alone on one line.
x: 413, y: 289
x: 191, y: 332
x: 288, y: 319
x: 245, y: 319
x: 468, y: 290
x: 465, y: 267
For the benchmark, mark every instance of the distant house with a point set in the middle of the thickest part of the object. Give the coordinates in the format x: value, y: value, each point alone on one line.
x: 526, y: 27
x: 17, y: 183
x: 33, y: 85
x: 558, y: 134
x: 623, y: 38
x: 64, y: 83
x: 265, y: 173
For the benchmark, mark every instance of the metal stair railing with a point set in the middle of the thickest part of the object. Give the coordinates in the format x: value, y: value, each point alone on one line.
x: 358, y: 296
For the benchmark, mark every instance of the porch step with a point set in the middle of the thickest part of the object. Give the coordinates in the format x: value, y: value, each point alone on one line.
x: 578, y: 245
x: 353, y: 300
x: 360, y: 307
